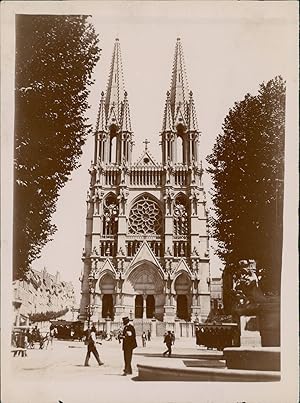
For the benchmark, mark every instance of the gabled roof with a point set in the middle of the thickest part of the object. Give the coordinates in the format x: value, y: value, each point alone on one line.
x: 182, y: 267
x: 146, y: 159
x: 107, y: 267
x: 144, y: 254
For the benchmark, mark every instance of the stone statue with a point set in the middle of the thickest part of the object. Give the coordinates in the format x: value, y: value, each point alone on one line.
x: 247, y: 290
x: 169, y: 197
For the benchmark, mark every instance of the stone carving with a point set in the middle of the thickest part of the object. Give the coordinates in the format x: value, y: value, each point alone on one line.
x: 96, y: 198
x: 169, y: 252
x: 169, y: 169
x: 121, y: 251
x: 95, y: 251
x: 123, y: 168
x: 195, y: 252
x: 123, y: 196
x: 194, y: 197
x: 169, y: 197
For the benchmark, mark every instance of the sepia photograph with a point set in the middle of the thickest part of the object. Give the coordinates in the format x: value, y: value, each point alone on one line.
x: 149, y: 202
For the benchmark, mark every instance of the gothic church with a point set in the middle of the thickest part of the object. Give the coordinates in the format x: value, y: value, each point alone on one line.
x: 146, y: 249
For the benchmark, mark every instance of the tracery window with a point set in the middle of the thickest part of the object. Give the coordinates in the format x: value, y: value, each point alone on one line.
x: 110, y: 215
x: 180, y: 221
x: 145, y: 217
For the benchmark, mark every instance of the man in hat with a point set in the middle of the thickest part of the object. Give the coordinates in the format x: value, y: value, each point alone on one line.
x: 129, y: 344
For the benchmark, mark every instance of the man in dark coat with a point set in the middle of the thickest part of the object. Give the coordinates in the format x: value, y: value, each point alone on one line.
x: 91, y: 346
x: 129, y: 344
x: 168, y: 340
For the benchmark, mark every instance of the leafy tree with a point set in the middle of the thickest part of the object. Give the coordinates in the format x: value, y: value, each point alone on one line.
x: 55, y: 57
x: 247, y: 168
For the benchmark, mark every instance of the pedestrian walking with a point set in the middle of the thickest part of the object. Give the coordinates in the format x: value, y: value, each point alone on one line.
x: 50, y: 336
x: 149, y: 335
x: 168, y: 341
x: 91, y: 347
x: 129, y: 344
x: 144, y: 339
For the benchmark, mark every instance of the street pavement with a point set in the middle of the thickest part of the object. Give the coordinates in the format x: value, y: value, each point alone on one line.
x: 58, y: 374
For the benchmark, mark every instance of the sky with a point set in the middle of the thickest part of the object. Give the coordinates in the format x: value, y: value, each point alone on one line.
x: 228, y: 52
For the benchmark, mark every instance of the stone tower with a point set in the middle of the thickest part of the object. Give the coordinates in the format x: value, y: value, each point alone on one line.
x: 146, y: 247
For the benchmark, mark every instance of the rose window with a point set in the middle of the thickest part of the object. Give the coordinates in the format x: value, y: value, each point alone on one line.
x: 145, y: 217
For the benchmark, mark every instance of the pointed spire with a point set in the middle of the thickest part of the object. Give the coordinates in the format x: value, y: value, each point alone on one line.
x: 101, y: 118
x: 167, y: 119
x: 115, y: 86
x: 192, y: 117
x: 179, y: 84
x: 125, y: 119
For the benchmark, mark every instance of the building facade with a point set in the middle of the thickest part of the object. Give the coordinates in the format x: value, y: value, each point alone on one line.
x: 41, y: 292
x: 216, y: 294
x: 146, y: 249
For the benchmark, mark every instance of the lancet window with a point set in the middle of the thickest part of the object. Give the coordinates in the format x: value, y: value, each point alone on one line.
x: 110, y: 215
x: 145, y: 217
x: 180, y: 221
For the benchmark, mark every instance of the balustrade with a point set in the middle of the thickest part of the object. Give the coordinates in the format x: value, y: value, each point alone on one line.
x: 180, y: 176
x: 180, y: 248
x: 107, y: 247
x: 145, y: 176
x: 111, y: 176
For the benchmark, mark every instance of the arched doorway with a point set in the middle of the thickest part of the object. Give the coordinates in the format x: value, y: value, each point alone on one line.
x: 182, y: 307
x: 107, y: 289
x: 183, y: 296
x: 147, y: 286
x: 107, y: 306
x: 150, y: 306
x: 138, y: 312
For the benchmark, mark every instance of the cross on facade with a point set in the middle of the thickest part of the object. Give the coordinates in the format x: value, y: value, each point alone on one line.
x: 146, y: 142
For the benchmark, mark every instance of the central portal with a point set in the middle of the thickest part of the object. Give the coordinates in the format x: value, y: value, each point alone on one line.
x: 144, y: 304
x: 145, y: 284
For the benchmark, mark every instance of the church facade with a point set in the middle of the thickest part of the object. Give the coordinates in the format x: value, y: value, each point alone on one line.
x: 146, y: 249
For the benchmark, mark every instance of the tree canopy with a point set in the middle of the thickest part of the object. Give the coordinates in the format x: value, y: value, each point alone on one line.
x: 55, y: 57
x: 247, y: 168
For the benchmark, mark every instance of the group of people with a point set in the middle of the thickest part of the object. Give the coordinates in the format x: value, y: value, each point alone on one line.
x: 26, y: 338
x: 129, y: 344
x: 128, y: 337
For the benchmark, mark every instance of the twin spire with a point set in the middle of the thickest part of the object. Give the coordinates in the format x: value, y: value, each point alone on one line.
x: 179, y: 106
x: 114, y: 106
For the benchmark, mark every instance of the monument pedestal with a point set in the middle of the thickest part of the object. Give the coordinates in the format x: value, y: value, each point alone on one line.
x: 269, y: 323
x: 249, y: 332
